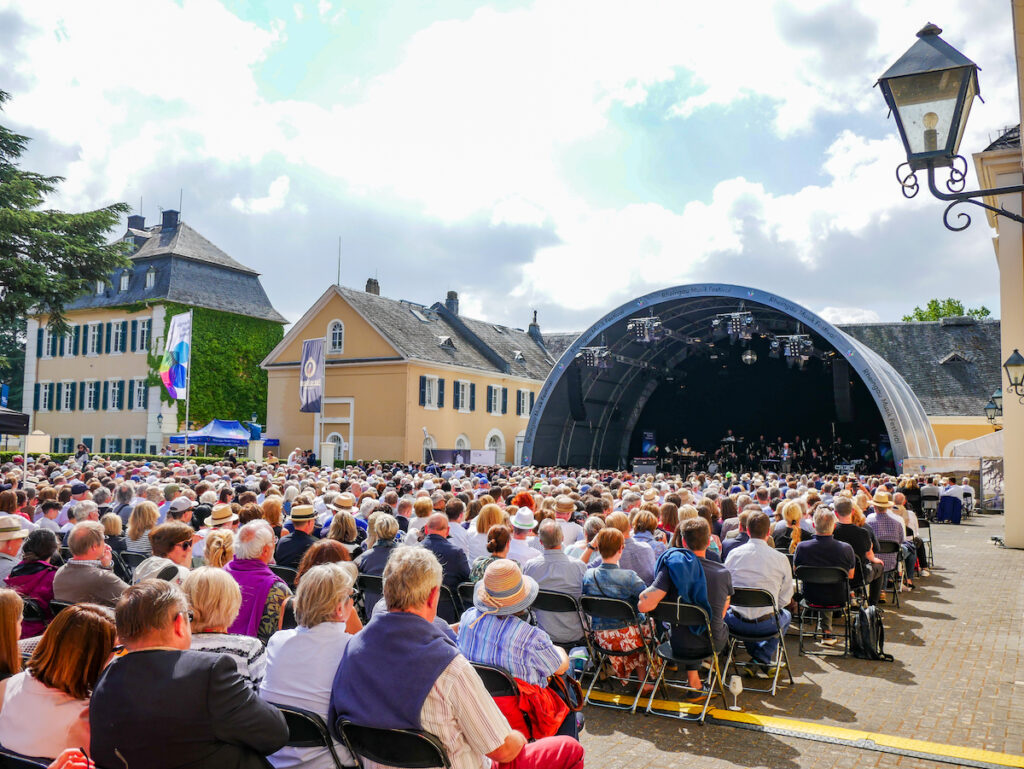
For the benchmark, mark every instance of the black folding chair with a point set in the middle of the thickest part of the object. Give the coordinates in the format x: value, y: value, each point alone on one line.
x: 121, y: 568
x: 31, y: 611
x: 466, y: 592
x: 561, y: 603
x: 10, y: 760
x: 758, y: 598
x: 65, y: 553
x: 823, y: 576
x: 307, y: 729
x: 371, y: 587
x: 132, y: 560
x: 286, y: 573
x: 622, y: 612
x: 924, y: 525
x: 449, y: 607
x: 500, y: 683
x: 929, y: 504
x: 56, y: 607
x: 675, y: 614
x: 402, y: 748
x: 892, y: 576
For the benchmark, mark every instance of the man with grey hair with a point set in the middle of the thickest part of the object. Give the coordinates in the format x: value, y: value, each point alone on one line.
x: 263, y: 592
x: 825, y: 550
x: 88, y: 576
x: 86, y: 510
x: 554, y: 571
x: 441, y: 693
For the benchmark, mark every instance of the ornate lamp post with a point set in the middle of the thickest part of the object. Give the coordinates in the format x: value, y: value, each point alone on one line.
x: 930, y: 90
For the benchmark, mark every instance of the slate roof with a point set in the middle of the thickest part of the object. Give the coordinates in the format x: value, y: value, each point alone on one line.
x: 1010, y: 139
x: 420, y: 339
x: 190, y: 270
x: 953, y: 365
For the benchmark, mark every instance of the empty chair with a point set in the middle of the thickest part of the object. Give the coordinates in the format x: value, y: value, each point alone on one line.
x: 403, y: 748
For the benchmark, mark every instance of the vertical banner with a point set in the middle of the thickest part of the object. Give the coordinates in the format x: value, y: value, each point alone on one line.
x: 4, y: 393
x: 648, y: 443
x: 177, y: 356
x: 311, y: 378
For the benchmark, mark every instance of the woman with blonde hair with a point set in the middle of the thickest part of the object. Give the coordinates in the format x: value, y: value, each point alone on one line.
x: 476, y: 543
x: 215, y: 599
x: 113, y: 532
x: 11, y: 608
x: 143, y: 518
x: 219, y: 548
x: 787, y: 532
x: 344, y: 530
x: 44, y: 709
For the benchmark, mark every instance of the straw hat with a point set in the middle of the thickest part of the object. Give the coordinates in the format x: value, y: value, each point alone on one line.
x: 221, y: 514
x: 881, y: 499
x: 345, y: 502
x: 565, y: 504
x: 303, y: 513
x: 10, y: 528
x: 504, y: 590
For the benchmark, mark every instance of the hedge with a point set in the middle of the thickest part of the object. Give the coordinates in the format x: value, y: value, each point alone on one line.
x: 7, y: 456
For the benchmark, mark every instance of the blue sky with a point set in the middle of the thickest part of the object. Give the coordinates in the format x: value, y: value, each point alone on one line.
x: 563, y: 156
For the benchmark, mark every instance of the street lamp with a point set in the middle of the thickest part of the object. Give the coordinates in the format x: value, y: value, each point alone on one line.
x: 1014, y: 367
x: 991, y: 412
x: 930, y: 90
x: 997, y: 398
x: 160, y: 422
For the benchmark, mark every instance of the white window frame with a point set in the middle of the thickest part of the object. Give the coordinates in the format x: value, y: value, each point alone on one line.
x: 332, y: 349
x: 67, y: 399
x: 462, y: 385
x: 92, y: 328
x: 124, y: 281
x: 111, y: 400
x: 463, y: 439
x: 69, y: 343
x: 65, y: 444
x: 430, y: 393
x: 105, y: 445
x: 46, y: 344
x: 142, y: 342
x: 44, y: 396
x: 150, y: 278
x: 136, y: 444
x: 139, y: 396
x: 92, y: 387
x: 100, y: 287
x: 494, y: 406
x: 115, y: 336
x: 523, y: 396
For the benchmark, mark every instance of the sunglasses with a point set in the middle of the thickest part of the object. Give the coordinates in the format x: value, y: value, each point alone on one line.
x: 185, y: 545
x: 188, y: 615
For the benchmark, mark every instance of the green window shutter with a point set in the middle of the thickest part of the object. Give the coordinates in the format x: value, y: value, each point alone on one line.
x: 59, y: 402
x: 51, y: 400
x: 124, y: 336
x: 35, y: 397
x: 106, y: 393
x: 131, y: 394
x: 74, y: 393
x: 423, y: 390
x: 51, y: 347
x: 504, y: 400
x: 135, y: 330
x: 472, y: 396
x: 120, y: 396
x: 39, y: 343
x: 60, y: 346
x: 106, y: 345
x: 440, y: 393
x: 455, y: 395
x: 77, y: 340
x: 81, y: 396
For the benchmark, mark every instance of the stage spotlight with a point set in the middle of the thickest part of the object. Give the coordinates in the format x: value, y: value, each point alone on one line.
x: 749, y: 357
x: 596, y: 357
x: 648, y: 329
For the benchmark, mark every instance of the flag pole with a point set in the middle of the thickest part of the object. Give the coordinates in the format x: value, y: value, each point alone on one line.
x: 188, y: 378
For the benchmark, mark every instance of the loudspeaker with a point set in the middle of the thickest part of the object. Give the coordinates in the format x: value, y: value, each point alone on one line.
x: 574, y: 385
x: 841, y: 389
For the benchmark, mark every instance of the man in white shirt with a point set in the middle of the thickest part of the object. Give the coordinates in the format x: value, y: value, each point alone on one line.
x: 520, y: 549
x: 952, y: 489
x: 457, y: 534
x: 757, y: 564
x: 564, y: 508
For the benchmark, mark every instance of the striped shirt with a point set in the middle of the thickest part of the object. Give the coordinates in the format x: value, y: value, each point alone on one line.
x: 509, y: 643
x: 248, y: 653
x: 462, y: 715
x: 888, y: 528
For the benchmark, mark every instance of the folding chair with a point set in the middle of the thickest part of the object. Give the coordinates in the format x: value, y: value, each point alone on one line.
x: 758, y: 598
x: 65, y: 553
x: 924, y: 525
x: 561, y: 603
x: 621, y: 611
x: 449, y: 607
x: 10, y: 760
x: 466, y: 591
x: 929, y: 504
x: 892, y: 576
x: 120, y: 568
x: 132, y: 560
x: 403, y: 748
x: 372, y: 589
x: 823, y: 575
x: 500, y: 683
x: 307, y: 729
x: 968, y: 502
x: 674, y: 614
x: 56, y: 607
x: 286, y: 573
x: 31, y: 611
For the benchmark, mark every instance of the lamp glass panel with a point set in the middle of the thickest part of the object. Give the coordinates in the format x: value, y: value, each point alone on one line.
x: 926, y: 104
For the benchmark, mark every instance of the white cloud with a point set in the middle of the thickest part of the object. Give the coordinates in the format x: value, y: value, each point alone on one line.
x: 849, y: 315
x: 272, y: 201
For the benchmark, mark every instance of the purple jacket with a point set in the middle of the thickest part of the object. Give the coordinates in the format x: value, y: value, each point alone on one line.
x: 33, y: 579
x: 254, y: 579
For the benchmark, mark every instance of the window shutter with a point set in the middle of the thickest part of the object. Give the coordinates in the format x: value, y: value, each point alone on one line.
x: 120, y: 396
x: 531, y: 402
x: 456, y: 390
x: 135, y: 329
x: 60, y: 346
x: 81, y: 395
x: 106, y: 393
x: 131, y: 394
x: 77, y: 340
x: 103, y: 445
x: 49, y: 405
x: 504, y: 400
x: 106, y: 345
x: 35, y: 394
x: 472, y: 396
x: 60, y: 401
x: 74, y: 394
x: 519, y: 403
x: 145, y: 395
x: 124, y: 336
x: 440, y: 393
x: 53, y: 345
x: 39, y: 343
x: 490, y: 400
x: 423, y: 390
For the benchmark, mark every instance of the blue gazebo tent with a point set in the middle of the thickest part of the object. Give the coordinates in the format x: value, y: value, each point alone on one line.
x: 221, y: 432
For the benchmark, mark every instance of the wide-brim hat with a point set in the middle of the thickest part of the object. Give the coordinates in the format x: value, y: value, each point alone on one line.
x: 504, y: 589
x: 881, y: 499
x: 221, y: 514
x: 303, y: 513
x: 345, y: 502
x: 11, y: 529
x: 523, y: 519
x: 565, y: 504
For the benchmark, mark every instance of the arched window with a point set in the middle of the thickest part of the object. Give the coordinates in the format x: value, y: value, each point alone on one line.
x: 462, y: 443
x: 336, y: 337
x: 496, y: 443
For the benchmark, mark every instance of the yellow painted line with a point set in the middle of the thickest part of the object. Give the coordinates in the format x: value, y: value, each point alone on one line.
x: 819, y: 730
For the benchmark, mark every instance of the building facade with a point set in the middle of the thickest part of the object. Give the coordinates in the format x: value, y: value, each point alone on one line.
x: 97, y: 384
x: 403, y: 380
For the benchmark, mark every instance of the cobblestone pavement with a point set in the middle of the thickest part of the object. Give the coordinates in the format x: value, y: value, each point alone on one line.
x: 957, y: 679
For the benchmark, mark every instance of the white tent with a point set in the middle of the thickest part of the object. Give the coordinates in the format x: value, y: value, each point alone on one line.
x: 990, y: 445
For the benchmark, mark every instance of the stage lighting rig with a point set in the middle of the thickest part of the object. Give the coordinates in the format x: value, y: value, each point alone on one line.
x: 646, y: 329
x: 596, y: 357
x: 738, y: 325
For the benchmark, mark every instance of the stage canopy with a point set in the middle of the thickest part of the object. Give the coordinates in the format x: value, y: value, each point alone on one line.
x: 221, y: 432
x: 13, y: 422
x: 707, y: 368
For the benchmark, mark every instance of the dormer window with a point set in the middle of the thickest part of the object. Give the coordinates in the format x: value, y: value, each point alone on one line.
x: 150, y: 278
x: 445, y: 342
x: 519, y: 357
x: 125, y: 279
x: 100, y: 286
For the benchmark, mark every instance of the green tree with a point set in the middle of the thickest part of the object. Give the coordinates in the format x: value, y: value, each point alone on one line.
x: 47, y: 257
x: 12, y: 363
x: 945, y: 308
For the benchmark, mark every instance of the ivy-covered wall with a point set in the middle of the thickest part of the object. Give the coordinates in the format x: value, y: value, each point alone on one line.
x: 227, y: 349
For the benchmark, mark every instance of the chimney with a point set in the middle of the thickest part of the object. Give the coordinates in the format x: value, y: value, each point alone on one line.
x: 534, y: 330
x: 372, y: 286
x: 451, y: 302
x: 170, y: 219
x: 136, y: 222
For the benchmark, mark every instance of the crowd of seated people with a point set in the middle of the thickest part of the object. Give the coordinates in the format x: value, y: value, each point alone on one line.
x: 208, y: 603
